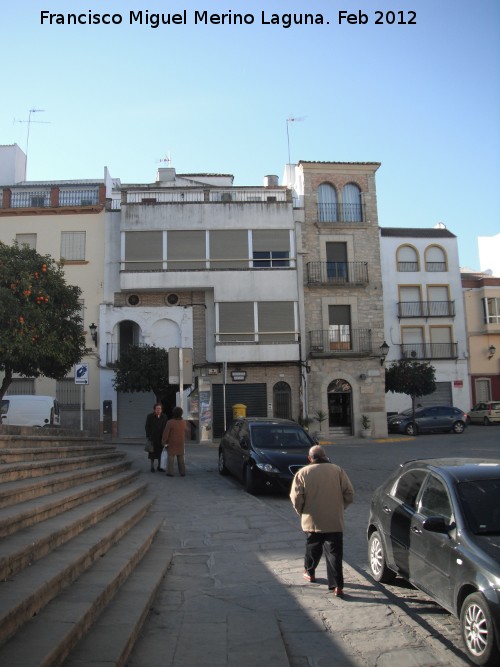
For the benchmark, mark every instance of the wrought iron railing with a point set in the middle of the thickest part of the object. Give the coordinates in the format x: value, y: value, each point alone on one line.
x: 30, y: 199
x: 435, y: 266
x: 426, y: 309
x: 407, y: 266
x: 336, y: 212
x: 340, y: 341
x: 337, y: 273
x: 429, y: 351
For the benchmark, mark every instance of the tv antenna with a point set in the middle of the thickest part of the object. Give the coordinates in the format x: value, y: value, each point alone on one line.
x: 167, y: 159
x: 29, y: 121
x: 291, y: 119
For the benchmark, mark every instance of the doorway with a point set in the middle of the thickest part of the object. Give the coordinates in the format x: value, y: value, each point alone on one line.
x: 340, y: 404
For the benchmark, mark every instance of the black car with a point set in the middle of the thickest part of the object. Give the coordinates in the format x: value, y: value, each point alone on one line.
x: 264, y: 452
x: 427, y: 420
x: 436, y: 523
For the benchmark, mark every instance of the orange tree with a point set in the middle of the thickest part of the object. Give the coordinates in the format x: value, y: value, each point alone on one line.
x: 40, y: 323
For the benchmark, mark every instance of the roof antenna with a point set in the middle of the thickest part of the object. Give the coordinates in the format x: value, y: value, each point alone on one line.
x: 29, y: 121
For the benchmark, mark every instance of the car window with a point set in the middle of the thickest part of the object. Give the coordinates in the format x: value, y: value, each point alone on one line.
x: 495, y: 406
x: 408, y: 485
x: 4, y: 407
x: 480, y: 500
x: 434, y: 500
x: 274, y: 436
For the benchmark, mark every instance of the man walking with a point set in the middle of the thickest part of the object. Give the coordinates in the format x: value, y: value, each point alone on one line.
x: 320, y: 493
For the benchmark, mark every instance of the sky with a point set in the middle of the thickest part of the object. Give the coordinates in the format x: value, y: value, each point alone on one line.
x: 412, y: 84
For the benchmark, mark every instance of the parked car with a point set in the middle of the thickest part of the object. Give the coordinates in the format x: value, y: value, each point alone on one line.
x: 30, y: 410
x: 433, y: 418
x: 436, y: 523
x: 486, y: 413
x: 264, y: 452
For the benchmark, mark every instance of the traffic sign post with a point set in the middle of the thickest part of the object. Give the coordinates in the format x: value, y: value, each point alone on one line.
x: 81, y: 378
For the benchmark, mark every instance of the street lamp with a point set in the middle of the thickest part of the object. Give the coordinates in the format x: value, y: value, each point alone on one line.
x: 93, y: 333
x: 492, y: 349
x: 384, y: 350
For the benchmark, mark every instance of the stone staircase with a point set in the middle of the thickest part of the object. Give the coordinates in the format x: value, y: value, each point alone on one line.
x: 78, y: 545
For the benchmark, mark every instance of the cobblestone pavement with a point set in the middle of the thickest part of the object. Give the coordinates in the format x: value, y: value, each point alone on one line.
x: 234, y: 594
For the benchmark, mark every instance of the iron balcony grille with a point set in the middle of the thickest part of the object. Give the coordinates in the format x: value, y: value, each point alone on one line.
x: 435, y: 266
x: 340, y: 341
x: 340, y: 212
x: 44, y: 198
x: 426, y: 309
x: 337, y: 273
x: 429, y: 351
x: 407, y: 266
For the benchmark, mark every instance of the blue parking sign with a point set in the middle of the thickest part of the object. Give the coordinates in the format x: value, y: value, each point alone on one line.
x: 81, y: 374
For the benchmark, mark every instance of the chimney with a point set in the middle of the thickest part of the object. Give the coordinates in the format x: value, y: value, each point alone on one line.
x: 271, y: 181
x: 165, y: 175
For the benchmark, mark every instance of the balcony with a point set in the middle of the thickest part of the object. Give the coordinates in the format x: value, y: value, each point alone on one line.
x: 340, y: 212
x: 52, y: 197
x: 429, y: 351
x: 332, y: 342
x: 426, y: 309
x: 207, y: 195
x: 337, y: 273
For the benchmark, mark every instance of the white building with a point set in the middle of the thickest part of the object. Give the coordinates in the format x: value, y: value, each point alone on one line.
x: 424, y: 315
x: 194, y: 262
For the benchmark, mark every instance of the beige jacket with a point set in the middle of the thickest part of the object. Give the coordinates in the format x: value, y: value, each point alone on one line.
x: 320, y: 492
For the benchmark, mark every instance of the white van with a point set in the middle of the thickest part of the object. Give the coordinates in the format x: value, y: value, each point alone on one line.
x: 30, y: 410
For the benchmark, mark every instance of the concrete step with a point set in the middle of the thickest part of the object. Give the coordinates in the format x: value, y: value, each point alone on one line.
x: 28, y: 592
x: 31, y: 512
x: 111, y: 640
x: 17, y: 491
x: 51, y: 633
x: 13, y: 471
x: 26, y: 546
x: 27, y: 454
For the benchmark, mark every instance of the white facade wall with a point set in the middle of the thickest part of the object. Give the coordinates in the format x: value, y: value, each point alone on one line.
x: 454, y: 371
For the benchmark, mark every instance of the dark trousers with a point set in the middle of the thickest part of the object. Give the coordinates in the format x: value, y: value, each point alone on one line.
x: 332, y: 544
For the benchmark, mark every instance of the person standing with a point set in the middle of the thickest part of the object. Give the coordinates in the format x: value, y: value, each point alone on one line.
x: 155, y: 425
x: 320, y: 493
x: 174, y: 438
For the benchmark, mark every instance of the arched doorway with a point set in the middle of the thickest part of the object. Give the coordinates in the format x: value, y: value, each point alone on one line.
x: 340, y: 404
x: 282, y: 400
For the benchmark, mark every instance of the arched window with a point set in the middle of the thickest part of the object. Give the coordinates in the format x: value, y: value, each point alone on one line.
x: 407, y: 258
x: 327, y: 203
x: 282, y: 400
x: 351, y: 203
x: 435, y: 258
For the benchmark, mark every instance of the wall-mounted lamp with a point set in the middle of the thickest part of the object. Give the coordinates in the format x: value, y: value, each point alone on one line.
x: 384, y: 350
x: 492, y: 349
x: 93, y: 333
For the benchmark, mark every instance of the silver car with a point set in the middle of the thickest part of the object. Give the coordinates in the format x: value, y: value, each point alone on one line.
x: 487, y: 413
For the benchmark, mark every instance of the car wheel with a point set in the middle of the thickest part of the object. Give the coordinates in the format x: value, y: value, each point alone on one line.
x: 458, y: 427
x: 251, y: 485
x: 222, y: 463
x: 478, y: 633
x: 411, y: 429
x: 376, y: 559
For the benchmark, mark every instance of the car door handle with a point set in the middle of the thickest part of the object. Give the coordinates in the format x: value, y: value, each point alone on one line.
x: 416, y: 530
x: 387, y: 509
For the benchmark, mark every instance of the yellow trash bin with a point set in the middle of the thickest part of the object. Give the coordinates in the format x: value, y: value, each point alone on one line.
x: 239, y: 410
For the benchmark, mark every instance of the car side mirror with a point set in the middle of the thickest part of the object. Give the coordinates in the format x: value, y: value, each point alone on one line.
x: 437, y: 524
